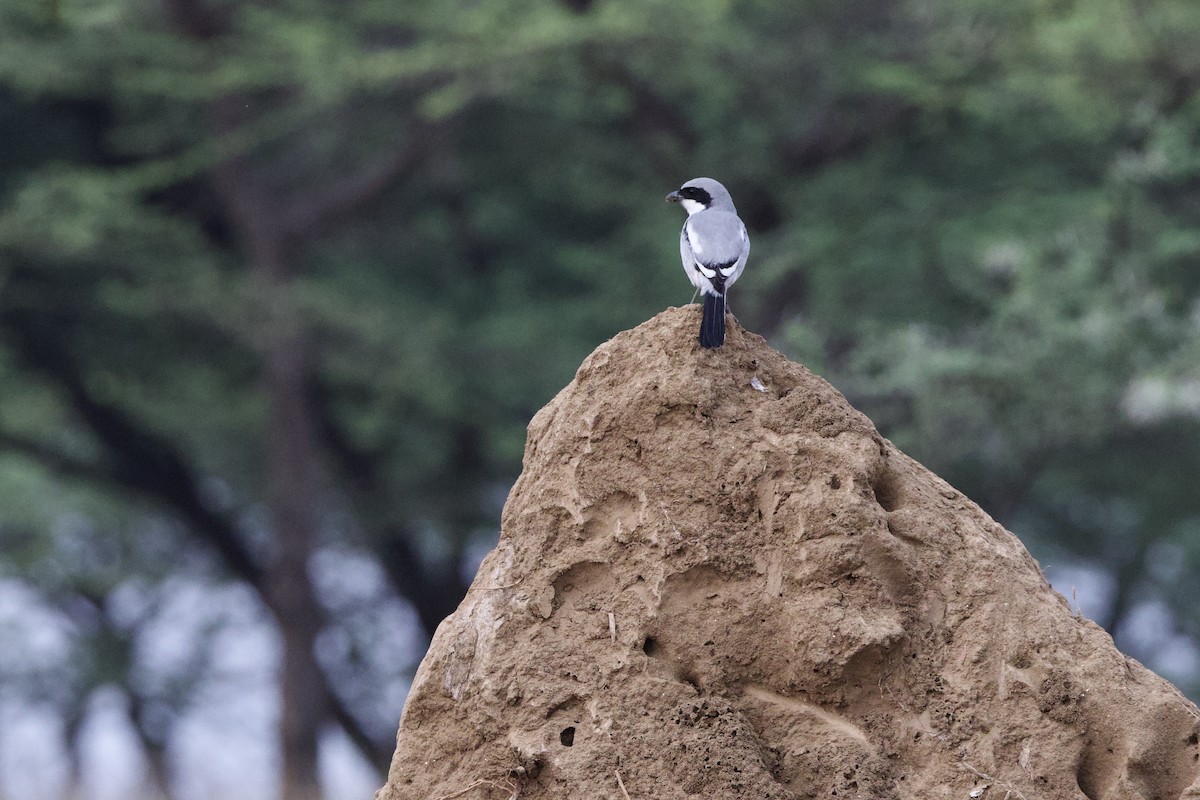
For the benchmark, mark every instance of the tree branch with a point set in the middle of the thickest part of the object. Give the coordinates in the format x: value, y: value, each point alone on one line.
x: 432, y: 592
x: 306, y: 216
x: 140, y: 460
x: 54, y: 459
x: 835, y: 138
x: 218, y: 532
x: 379, y: 757
x: 197, y: 20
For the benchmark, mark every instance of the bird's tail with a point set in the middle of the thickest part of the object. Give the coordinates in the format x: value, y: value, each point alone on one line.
x: 712, y: 323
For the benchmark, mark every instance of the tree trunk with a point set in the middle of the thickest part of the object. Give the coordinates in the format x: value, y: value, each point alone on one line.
x: 290, y: 464
x: 293, y: 477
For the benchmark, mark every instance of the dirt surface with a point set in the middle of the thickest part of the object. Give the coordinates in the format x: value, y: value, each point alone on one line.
x: 715, y: 579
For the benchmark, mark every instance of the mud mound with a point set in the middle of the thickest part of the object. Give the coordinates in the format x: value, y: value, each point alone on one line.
x: 715, y: 579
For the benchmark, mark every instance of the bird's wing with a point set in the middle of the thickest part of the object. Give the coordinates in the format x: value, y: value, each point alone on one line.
x: 688, y: 256
x: 717, y: 238
x: 736, y: 272
x: 718, y: 242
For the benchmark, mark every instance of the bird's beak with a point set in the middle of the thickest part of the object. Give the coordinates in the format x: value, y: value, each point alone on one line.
x: 673, y: 197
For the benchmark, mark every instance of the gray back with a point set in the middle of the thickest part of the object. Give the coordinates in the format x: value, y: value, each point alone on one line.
x: 721, y: 232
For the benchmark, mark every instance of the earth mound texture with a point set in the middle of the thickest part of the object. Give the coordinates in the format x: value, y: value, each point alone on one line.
x: 715, y: 579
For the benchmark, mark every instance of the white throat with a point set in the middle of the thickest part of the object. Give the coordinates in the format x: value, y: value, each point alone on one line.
x: 692, y: 206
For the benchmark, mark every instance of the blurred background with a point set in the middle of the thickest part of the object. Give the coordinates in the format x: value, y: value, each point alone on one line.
x: 281, y: 284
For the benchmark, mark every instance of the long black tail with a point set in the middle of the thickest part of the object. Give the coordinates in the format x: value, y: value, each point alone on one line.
x: 712, y: 323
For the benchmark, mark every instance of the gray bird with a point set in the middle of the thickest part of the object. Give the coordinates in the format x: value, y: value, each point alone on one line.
x: 714, y: 247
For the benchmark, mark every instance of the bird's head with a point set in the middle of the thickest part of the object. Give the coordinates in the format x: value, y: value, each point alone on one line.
x: 700, y: 193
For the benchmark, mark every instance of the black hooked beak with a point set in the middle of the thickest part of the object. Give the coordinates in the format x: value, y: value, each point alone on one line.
x: 673, y: 197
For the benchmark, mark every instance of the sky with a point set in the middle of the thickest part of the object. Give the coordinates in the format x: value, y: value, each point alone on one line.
x: 222, y: 747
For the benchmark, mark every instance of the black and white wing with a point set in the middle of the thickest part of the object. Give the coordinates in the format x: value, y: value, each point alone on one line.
x: 718, y: 246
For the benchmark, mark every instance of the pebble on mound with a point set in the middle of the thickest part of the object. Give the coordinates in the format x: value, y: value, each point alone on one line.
x: 715, y: 579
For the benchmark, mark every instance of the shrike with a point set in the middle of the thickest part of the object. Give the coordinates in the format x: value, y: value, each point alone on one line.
x: 714, y: 247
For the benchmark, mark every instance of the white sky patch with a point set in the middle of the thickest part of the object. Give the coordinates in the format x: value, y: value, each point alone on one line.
x: 224, y: 747
x: 346, y: 577
x: 477, y: 548
x: 111, y: 761
x: 1149, y: 633
x: 1089, y: 588
x: 32, y: 763
x: 1154, y: 398
x: 216, y: 758
x: 345, y: 774
x: 44, y: 634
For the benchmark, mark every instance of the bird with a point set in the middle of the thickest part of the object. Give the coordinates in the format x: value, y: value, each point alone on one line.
x: 714, y: 248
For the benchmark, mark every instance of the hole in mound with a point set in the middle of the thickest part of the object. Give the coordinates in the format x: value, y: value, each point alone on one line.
x: 1098, y: 771
x: 688, y: 676
x: 567, y: 737
x: 835, y: 482
x: 888, y: 491
x: 650, y: 646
